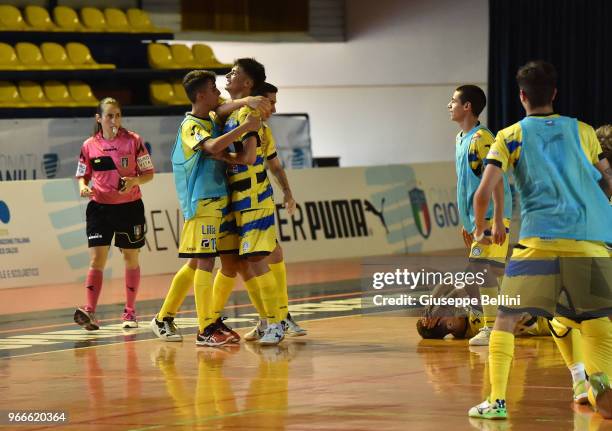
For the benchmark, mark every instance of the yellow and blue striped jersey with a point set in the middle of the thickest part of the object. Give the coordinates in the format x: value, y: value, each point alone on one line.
x: 480, y: 144
x: 268, y: 143
x: 248, y: 184
x: 192, y: 133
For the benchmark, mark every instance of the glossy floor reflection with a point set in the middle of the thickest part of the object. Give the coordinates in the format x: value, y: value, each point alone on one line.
x: 350, y: 373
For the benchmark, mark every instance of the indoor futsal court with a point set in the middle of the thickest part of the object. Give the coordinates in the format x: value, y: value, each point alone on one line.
x: 372, y: 371
x: 304, y: 215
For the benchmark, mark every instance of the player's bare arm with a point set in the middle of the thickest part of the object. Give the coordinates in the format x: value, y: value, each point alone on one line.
x: 491, y: 177
x: 259, y: 103
x: 252, y: 123
x: 280, y: 175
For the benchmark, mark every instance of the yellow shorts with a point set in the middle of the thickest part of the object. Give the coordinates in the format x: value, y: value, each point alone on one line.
x: 256, y: 231
x: 494, y: 254
x: 572, y: 284
x: 228, y: 234
x: 199, y: 237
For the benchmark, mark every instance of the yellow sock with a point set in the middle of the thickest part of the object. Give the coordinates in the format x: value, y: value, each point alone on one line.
x: 269, y: 296
x: 489, y: 312
x: 569, y: 344
x: 255, y: 296
x: 280, y: 274
x: 597, y: 345
x: 181, y: 283
x: 501, y: 351
x: 203, y: 287
x: 222, y: 289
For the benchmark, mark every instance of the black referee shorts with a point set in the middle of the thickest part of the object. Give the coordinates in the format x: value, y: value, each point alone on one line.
x: 126, y: 222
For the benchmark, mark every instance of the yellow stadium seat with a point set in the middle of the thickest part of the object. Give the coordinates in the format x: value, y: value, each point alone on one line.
x: 116, y: 20
x: 58, y: 95
x: 162, y: 93
x: 67, y: 19
x: 160, y: 56
x: 38, y: 18
x: 182, y: 56
x: 81, y: 58
x: 11, y: 19
x: 55, y: 56
x: 33, y: 95
x: 30, y: 56
x: 81, y: 93
x: 93, y: 19
x: 9, y: 96
x: 8, y: 58
x: 139, y: 21
x: 205, y: 57
x: 179, y: 92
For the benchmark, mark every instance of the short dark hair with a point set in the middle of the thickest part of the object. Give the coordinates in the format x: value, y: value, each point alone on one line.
x: 266, y: 88
x: 255, y: 70
x: 193, y: 81
x: 604, y: 134
x: 437, y: 332
x: 538, y: 80
x: 474, y: 95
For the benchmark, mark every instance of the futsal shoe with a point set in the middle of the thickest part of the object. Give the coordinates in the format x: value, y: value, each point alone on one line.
x: 86, y: 319
x: 129, y: 319
x: 166, y: 329
x: 257, y: 332
x: 581, y: 392
x: 600, y: 386
x: 487, y: 410
x: 212, y: 336
x: 482, y: 338
x: 291, y: 327
x: 234, y: 336
x: 273, y: 335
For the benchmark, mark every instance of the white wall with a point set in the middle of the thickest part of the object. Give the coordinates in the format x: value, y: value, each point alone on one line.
x: 380, y: 97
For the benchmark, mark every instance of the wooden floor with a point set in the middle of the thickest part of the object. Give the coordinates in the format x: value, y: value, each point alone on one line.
x: 353, y: 371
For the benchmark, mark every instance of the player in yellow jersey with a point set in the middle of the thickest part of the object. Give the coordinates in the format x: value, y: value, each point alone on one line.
x: 276, y: 260
x: 560, y: 266
x: 202, y: 191
x: 471, y: 147
x: 254, y: 236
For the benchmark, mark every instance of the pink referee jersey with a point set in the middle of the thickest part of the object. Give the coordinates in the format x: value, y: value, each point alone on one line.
x: 105, y: 162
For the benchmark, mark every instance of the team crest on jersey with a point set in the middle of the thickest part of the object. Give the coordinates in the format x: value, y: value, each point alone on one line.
x: 420, y: 211
x: 476, y: 251
x: 124, y: 162
x: 245, y: 247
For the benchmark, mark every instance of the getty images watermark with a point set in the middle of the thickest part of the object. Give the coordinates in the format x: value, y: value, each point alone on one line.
x: 430, y: 282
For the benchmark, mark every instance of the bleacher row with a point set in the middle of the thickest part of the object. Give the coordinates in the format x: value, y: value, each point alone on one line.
x: 49, y: 56
x: 30, y: 94
x: 66, y: 19
x: 66, y: 61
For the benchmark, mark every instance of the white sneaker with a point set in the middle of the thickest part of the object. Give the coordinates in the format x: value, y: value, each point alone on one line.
x: 291, y: 327
x: 166, y: 329
x: 257, y: 332
x: 273, y: 335
x: 482, y: 338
